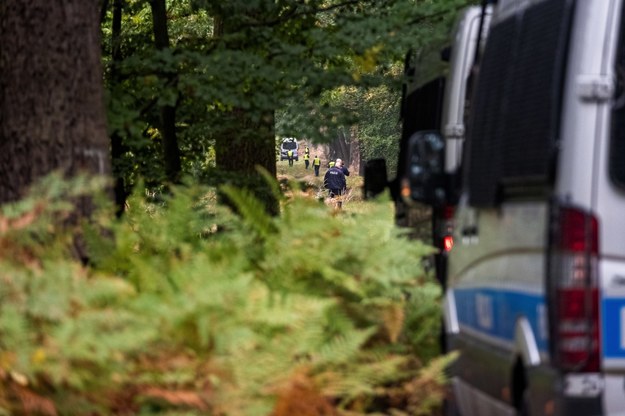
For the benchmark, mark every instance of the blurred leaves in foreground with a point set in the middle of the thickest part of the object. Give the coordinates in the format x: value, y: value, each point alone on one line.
x: 182, y: 307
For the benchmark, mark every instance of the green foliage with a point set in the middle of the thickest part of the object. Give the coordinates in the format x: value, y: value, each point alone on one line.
x: 186, y: 308
x: 301, y: 59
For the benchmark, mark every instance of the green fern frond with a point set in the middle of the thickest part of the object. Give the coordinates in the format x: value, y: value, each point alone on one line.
x: 270, y: 179
x: 251, y: 209
x: 180, y: 294
x: 342, y: 348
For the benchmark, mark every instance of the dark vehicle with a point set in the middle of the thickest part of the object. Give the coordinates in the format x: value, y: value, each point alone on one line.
x: 433, y: 127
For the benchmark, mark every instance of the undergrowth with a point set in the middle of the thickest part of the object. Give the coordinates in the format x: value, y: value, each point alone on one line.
x: 185, y: 308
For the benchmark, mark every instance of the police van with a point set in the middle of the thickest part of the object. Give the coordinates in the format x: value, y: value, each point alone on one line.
x: 289, y: 143
x: 535, y: 289
x: 428, y: 108
x: 535, y: 299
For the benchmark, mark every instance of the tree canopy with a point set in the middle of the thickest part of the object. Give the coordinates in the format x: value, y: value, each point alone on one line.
x: 298, y: 68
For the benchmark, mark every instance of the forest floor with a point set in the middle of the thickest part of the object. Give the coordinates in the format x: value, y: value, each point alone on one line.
x: 313, y: 185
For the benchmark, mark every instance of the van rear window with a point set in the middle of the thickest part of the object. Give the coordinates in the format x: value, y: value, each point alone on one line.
x: 617, y: 142
x: 513, y: 132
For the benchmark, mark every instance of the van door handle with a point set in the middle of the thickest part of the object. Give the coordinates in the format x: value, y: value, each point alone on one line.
x: 618, y: 280
x: 469, y: 231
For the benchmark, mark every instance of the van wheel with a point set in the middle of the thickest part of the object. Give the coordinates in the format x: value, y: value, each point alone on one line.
x: 520, y: 391
x: 524, y: 410
x: 450, y: 408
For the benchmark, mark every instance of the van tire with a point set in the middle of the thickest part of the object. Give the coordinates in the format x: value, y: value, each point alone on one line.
x: 450, y: 408
x: 524, y: 410
x: 520, y: 390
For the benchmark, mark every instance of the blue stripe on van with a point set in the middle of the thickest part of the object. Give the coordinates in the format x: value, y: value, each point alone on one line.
x: 493, y: 312
x: 612, y: 321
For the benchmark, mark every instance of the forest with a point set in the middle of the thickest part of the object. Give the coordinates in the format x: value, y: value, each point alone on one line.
x: 152, y: 263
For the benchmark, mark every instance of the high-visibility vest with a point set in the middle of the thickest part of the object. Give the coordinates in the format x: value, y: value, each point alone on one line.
x: 306, y: 156
x: 316, y: 161
x: 289, y: 153
x: 331, y: 164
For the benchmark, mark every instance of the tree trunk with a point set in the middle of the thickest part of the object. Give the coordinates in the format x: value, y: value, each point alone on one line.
x: 117, y: 147
x: 171, y: 152
x: 339, y: 147
x: 355, y: 155
x: 51, y: 107
x: 243, y: 144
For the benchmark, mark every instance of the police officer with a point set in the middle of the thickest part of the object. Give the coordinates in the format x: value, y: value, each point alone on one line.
x: 341, y: 165
x: 289, y: 154
x: 316, y: 164
x: 334, y: 181
x: 306, y: 160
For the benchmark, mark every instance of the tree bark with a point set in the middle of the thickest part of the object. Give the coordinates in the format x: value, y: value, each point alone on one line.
x: 240, y: 151
x: 52, y: 113
x: 347, y: 147
x: 171, y: 151
x: 340, y: 147
x: 355, y: 155
x: 117, y: 146
x: 242, y: 144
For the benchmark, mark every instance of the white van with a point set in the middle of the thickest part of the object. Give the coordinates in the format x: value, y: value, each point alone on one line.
x: 289, y: 143
x: 535, y: 299
x: 535, y: 293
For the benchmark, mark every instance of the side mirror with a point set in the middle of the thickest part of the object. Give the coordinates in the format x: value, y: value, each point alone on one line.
x: 425, y: 180
x: 446, y: 54
x: 376, y: 179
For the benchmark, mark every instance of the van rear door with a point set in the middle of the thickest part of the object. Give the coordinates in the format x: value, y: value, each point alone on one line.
x: 610, y: 208
x: 592, y: 177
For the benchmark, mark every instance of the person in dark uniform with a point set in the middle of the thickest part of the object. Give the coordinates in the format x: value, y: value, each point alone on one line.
x: 289, y: 154
x: 306, y: 160
x: 334, y: 181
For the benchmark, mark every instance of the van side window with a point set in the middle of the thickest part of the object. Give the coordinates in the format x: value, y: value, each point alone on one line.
x: 617, y: 142
x: 514, y: 126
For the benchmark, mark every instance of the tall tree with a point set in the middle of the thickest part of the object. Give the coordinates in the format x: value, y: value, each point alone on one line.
x: 51, y: 105
x: 246, y: 138
x: 169, y: 141
x: 117, y: 146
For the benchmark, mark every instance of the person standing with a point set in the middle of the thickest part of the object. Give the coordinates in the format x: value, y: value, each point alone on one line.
x: 306, y: 159
x: 341, y: 165
x: 289, y: 154
x: 316, y: 165
x: 307, y: 151
x: 334, y: 181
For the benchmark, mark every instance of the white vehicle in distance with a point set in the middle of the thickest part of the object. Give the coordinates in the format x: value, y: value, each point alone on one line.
x: 289, y: 143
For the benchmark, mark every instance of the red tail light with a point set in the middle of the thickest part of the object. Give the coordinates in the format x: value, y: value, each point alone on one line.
x: 448, y: 212
x: 448, y: 243
x: 574, y: 291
